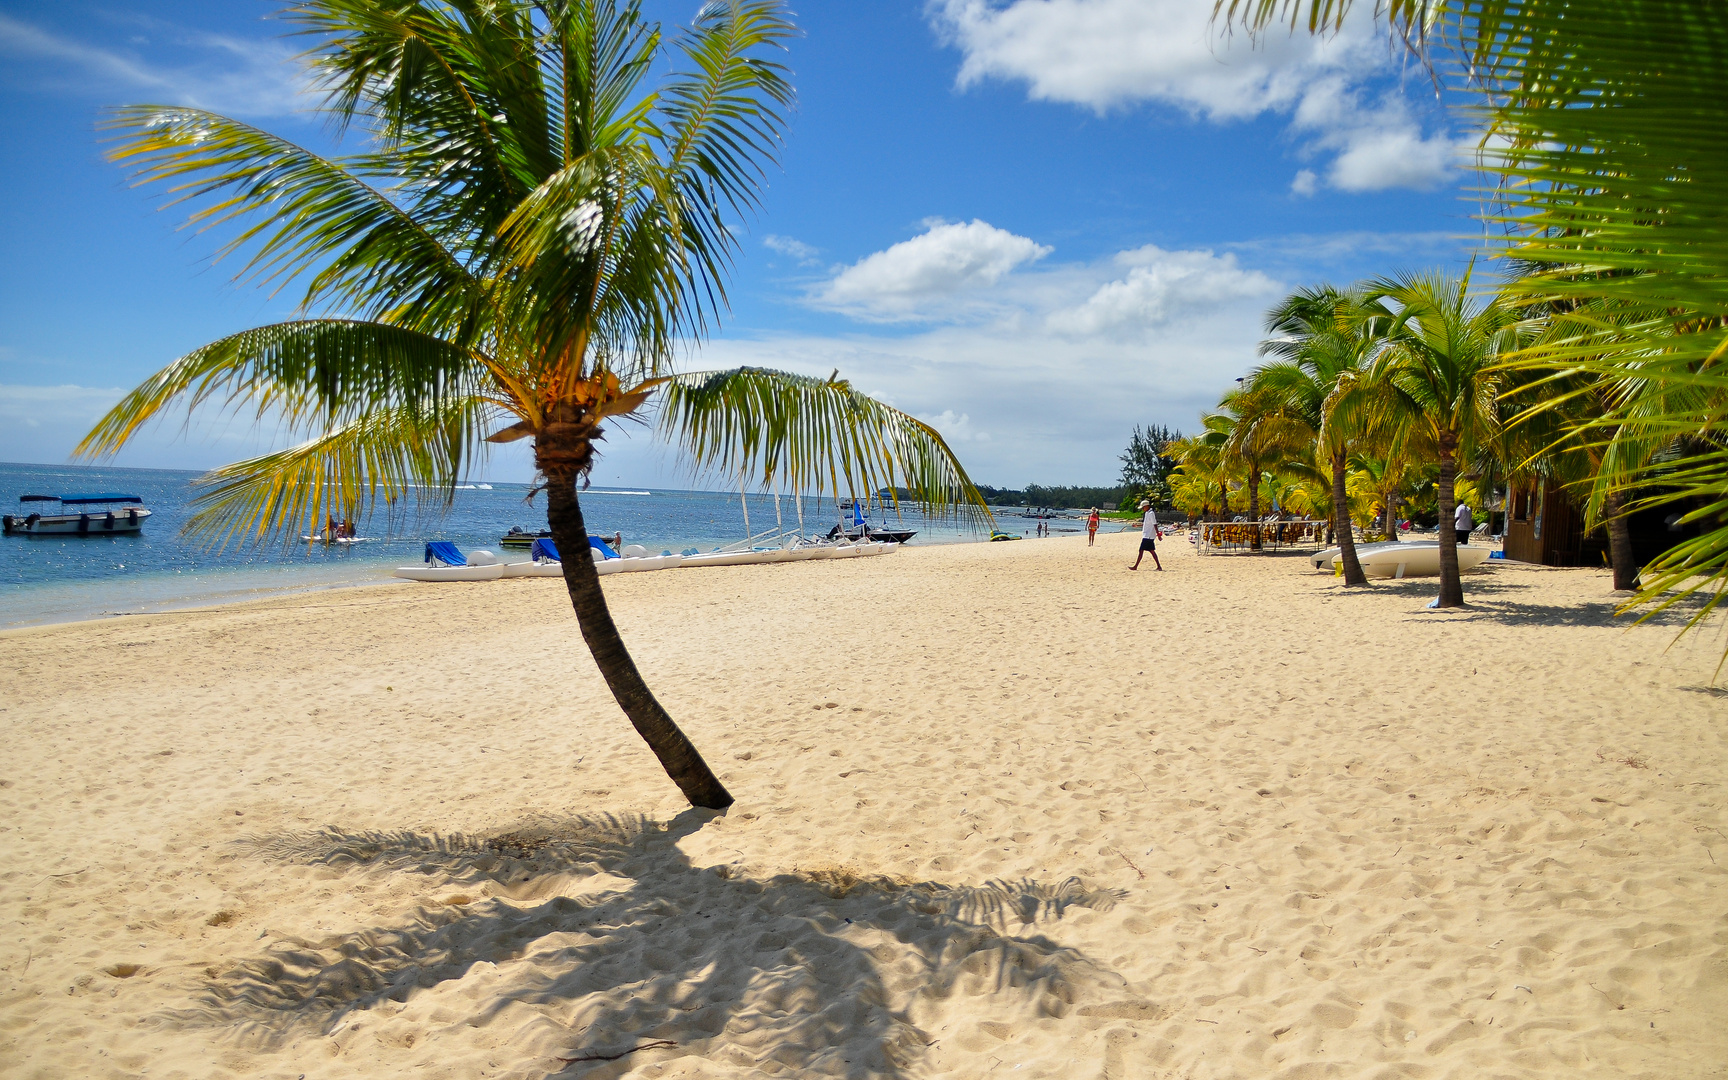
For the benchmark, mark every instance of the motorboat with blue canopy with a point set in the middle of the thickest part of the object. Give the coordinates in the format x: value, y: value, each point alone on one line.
x: 103, y: 513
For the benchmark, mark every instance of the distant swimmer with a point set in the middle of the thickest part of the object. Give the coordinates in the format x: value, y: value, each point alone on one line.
x: 1148, y: 536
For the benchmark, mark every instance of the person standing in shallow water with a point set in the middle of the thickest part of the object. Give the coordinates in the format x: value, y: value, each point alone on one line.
x: 1148, y: 536
x: 1092, y: 527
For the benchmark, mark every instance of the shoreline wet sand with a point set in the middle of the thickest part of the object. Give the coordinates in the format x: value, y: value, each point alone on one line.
x: 998, y: 805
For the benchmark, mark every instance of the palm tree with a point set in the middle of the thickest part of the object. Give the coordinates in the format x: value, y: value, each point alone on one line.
x: 1199, y: 480
x: 1439, y: 367
x: 1254, y: 432
x: 1325, y: 339
x: 1380, y: 468
x: 530, y: 234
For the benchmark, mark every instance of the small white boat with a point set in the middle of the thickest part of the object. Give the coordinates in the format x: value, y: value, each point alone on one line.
x: 86, y: 520
x: 1419, y: 559
x: 445, y: 563
x: 633, y: 559
x: 732, y: 558
x: 635, y: 564
x: 537, y: 568
x: 1322, y: 559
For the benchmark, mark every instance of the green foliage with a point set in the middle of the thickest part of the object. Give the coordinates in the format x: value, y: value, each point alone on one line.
x: 537, y: 218
x: 803, y: 433
x: 1061, y: 497
x: 1604, y: 126
x: 1146, y: 466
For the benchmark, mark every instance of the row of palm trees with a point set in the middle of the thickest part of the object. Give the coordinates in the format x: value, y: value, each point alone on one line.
x: 1602, y: 361
x: 1361, y: 384
x: 1373, y: 390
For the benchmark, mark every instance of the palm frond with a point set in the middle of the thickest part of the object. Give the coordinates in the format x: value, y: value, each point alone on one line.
x: 721, y: 122
x: 313, y: 372
x: 398, y: 457
x: 1410, y: 20
x: 453, y: 93
x: 799, y: 433
x: 302, y: 215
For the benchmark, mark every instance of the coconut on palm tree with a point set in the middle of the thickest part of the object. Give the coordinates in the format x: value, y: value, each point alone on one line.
x: 540, y: 218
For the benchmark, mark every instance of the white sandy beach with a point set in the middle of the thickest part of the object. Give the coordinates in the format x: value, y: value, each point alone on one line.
x: 1003, y: 810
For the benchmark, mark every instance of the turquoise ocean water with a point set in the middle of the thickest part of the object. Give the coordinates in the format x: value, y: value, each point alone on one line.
x: 56, y: 579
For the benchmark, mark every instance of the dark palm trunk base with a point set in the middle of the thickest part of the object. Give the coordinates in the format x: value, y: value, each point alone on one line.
x: 1353, y: 574
x: 1620, y: 542
x: 1451, y: 583
x: 570, y: 532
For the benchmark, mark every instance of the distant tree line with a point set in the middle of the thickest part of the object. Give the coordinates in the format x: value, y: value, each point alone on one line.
x: 1145, y: 475
x: 1065, y: 497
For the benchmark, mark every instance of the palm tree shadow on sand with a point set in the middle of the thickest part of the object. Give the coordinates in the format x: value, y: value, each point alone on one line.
x: 1489, y: 600
x: 598, y: 937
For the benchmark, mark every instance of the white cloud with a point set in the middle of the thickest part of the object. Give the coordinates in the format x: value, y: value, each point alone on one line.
x: 55, y: 407
x: 1106, y: 53
x: 1160, y: 286
x: 224, y: 74
x: 792, y: 249
x: 1373, y: 160
x: 1050, y: 366
x: 956, y: 427
x: 916, y: 278
x: 1102, y: 53
x: 1379, y: 146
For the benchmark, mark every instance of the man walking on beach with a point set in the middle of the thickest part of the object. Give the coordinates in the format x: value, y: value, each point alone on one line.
x: 1148, y: 537
x: 1462, y: 524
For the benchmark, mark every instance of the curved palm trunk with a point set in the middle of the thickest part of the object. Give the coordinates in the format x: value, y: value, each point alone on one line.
x: 1620, y: 542
x: 1353, y: 574
x: 678, y: 756
x: 1254, y: 509
x: 1451, y: 584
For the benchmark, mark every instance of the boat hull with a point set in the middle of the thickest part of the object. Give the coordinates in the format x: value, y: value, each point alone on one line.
x: 103, y: 524
x: 533, y: 569
x: 1323, y: 559
x: 729, y: 558
x: 451, y: 573
x: 1416, y: 560
x: 643, y: 563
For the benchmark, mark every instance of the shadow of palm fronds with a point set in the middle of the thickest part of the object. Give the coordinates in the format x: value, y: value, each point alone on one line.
x: 818, y: 971
x: 549, y: 845
x: 995, y: 903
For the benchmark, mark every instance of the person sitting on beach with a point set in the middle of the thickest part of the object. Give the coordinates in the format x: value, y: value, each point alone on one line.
x: 1148, y: 536
x: 1092, y: 527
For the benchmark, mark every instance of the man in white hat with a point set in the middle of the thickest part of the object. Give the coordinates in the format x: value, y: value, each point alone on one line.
x: 1148, y: 536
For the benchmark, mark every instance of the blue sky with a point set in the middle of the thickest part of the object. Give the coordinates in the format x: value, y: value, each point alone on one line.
x: 1034, y: 223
